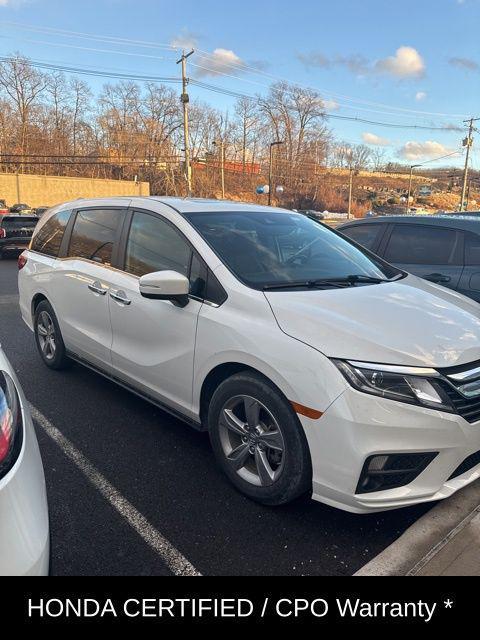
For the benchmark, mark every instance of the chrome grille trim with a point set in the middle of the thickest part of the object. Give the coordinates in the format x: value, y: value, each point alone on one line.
x: 465, y: 376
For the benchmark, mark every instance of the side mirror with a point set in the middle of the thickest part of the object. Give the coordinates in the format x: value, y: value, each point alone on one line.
x: 166, y: 285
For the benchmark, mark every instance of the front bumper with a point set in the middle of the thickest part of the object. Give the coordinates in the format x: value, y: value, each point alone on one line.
x: 357, y: 426
x: 24, y: 525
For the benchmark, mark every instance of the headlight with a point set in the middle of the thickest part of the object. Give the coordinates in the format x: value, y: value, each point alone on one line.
x: 404, y: 384
x: 11, y: 428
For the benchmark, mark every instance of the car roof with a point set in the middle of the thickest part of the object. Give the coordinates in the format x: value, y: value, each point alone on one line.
x: 202, y: 205
x: 465, y: 222
x: 180, y: 205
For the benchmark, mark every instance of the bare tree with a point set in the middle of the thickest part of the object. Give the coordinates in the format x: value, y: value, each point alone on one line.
x: 23, y: 85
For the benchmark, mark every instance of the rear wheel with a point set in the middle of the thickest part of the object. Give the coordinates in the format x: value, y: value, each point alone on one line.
x: 49, y: 337
x: 259, y: 441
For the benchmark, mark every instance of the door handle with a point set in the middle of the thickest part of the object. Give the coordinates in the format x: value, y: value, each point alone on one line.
x: 438, y: 278
x: 120, y: 296
x: 96, y: 287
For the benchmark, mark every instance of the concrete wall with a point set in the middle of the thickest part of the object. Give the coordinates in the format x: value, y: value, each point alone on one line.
x: 37, y: 190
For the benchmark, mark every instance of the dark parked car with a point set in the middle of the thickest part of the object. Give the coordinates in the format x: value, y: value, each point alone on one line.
x: 23, y: 209
x: 458, y: 213
x: 16, y: 232
x: 441, y: 249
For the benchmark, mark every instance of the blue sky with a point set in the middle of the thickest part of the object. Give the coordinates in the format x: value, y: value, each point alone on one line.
x: 414, y: 62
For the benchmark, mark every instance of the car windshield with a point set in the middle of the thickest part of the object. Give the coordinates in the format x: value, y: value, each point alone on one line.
x: 287, y: 250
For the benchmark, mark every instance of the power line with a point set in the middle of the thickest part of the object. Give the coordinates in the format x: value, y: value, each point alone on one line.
x: 330, y: 116
x: 205, y: 86
x: 94, y: 72
x: 239, y: 65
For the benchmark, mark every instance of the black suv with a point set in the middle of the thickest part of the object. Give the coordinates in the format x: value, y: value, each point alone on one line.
x: 16, y: 232
x: 441, y: 249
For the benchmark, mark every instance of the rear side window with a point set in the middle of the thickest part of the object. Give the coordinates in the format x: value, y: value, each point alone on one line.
x: 94, y: 234
x: 50, y: 236
x: 418, y: 244
x: 364, y: 234
x: 472, y: 250
x: 154, y: 245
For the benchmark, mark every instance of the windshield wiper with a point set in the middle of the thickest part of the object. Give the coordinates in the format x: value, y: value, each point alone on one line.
x: 354, y: 279
x: 310, y: 284
x: 339, y: 283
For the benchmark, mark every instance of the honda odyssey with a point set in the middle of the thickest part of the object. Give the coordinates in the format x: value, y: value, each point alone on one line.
x: 316, y: 366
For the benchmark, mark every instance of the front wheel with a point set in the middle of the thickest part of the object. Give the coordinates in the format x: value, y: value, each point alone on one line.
x: 258, y: 440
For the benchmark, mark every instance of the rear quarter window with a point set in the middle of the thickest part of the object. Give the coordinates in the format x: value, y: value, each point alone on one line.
x: 49, y: 237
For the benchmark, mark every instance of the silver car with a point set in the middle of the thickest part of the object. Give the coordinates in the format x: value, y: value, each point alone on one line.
x: 24, y: 526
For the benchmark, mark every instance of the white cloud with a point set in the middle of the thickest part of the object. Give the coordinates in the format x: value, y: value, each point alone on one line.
x: 219, y: 62
x: 378, y: 141
x: 406, y: 63
x: 185, y: 40
x: 13, y: 3
x: 423, y: 150
x: 331, y: 105
x: 420, y: 96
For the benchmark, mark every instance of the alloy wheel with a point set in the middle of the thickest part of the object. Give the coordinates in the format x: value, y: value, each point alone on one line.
x: 252, y: 440
x: 46, y: 335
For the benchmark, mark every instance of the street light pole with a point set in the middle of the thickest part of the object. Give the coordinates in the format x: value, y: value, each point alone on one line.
x: 270, y: 177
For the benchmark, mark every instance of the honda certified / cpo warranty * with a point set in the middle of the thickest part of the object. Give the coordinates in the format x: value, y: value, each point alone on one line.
x: 211, y: 608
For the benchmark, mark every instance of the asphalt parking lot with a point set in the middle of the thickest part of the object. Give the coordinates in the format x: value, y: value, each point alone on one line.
x: 165, y: 473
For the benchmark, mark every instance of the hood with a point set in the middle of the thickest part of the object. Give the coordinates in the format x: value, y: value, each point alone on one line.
x: 410, y: 323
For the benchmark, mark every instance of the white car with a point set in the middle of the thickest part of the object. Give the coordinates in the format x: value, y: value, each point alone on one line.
x: 24, y: 528
x: 315, y: 366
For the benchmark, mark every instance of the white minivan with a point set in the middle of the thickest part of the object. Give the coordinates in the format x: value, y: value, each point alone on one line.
x: 315, y: 366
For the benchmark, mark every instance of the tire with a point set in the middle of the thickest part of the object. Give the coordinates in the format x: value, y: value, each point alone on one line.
x: 48, y: 337
x: 258, y: 440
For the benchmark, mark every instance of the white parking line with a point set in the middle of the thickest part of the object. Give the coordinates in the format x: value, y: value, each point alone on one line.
x: 175, y: 561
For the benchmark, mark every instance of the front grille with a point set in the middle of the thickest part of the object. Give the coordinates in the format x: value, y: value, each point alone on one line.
x: 467, y: 407
x: 468, y: 464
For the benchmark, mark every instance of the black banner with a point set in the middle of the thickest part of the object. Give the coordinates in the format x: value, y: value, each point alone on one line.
x: 156, y: 602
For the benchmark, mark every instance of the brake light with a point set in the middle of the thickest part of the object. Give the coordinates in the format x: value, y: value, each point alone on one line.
x: 3, y: 233
x: 11, y: 428
x: 22, y: 261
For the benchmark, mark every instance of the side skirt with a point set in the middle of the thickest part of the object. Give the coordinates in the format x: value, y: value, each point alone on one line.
x: 121, y: 383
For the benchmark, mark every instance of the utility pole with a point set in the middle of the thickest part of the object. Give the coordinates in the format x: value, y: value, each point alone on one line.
x: 270, y: 177
x: 185, y: 101
x: 410, y: 184
x: 468, y: 142
x: 221, y: 144
x: 350, y: 192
